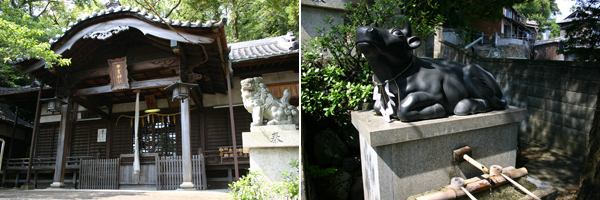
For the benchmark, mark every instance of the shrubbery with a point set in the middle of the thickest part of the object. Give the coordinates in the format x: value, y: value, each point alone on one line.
x: 253, y: 186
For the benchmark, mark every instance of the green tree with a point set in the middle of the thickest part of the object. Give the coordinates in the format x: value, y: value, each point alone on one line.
x: 554, y: 29
x: 583, y: 33
x: 539, y: 11
x: 25, y: 29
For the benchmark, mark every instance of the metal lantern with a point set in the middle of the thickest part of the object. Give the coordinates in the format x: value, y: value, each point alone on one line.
x: 54, y: 104
x: 181, y: 91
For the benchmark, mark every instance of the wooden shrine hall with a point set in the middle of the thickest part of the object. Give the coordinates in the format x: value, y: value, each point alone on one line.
x: 132, y: 72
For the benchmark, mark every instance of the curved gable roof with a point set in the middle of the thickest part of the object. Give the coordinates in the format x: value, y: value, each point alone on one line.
x: 110, y: 21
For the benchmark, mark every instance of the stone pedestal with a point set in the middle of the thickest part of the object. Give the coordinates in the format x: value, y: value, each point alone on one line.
x: 402, y: 159
x: 271, y: 149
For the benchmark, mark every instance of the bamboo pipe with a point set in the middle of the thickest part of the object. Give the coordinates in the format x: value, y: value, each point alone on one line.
x: 476, y: 164
x: 476, y: 186
x: 495, y: 172
x: 462, y: 154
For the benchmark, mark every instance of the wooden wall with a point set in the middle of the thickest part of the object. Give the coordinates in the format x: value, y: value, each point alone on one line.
x: 218, y: 128
x: 214, y: 123
x: 47, y: 140
x: 84, y: 140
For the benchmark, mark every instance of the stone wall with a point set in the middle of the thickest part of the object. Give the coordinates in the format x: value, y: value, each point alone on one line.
x: 560, y: 97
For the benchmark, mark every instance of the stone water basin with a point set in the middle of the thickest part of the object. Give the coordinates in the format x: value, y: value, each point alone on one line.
x: 505, y: 191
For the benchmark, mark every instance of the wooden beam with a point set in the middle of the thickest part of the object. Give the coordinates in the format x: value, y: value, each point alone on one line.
x: 154, y: 83
x: 171, y: 62
x: 91, y: 107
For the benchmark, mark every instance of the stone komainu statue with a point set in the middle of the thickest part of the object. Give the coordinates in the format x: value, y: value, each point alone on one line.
x: 259, y: 101
x: 412, y: 88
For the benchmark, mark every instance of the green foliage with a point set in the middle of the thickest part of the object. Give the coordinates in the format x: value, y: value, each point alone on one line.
x: 24, y: 35
x: 258, y: 19
x: 583, y: 34
x: 253, y: 186
x: 539, y: 11
x: 335, y: 77
x: 317, y: 172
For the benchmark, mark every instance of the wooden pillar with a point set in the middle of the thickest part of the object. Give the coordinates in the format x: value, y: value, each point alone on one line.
x: 36, y: 127
x: 232, y: 117
x: 61, y: 154
x: 186, y: 153
x: 108, y: 133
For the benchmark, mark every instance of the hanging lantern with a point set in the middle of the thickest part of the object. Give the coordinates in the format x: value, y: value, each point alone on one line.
x: 181, y: 91
x: 54, y: 104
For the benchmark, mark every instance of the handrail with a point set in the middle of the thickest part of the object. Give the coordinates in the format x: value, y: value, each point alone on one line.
x: 474, y: 42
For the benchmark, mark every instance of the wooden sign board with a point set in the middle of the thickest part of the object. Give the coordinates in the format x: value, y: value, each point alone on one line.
x: 118, y: 74
x: 101, y: 135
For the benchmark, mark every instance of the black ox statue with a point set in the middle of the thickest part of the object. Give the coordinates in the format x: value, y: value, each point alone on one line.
x: 413, y: 88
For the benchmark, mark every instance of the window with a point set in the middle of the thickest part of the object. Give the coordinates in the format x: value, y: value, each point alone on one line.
x: 158, y: 136
x: 508, y: 13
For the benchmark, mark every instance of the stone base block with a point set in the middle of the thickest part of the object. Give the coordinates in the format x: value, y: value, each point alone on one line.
x: 271, y: 149
x: 402, y: 159
x: 187, y: 186
x: 274, y: 161
x: 271, y: 136
x: 58, y: 185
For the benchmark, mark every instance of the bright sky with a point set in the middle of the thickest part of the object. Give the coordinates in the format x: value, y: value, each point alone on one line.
x: 564, y: 6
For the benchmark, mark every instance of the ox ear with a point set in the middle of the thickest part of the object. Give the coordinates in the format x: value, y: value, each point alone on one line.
x: 414, y: 42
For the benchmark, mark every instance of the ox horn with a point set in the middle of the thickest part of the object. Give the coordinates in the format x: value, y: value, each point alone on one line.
x: 407, y: 28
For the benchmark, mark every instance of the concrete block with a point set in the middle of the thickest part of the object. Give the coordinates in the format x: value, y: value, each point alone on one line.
x: 535, y: 91
x: 534, y: 102
x: 535, y: 113
x: 575, y: 97
x: 552, y: 117
x: 574, y: 123
x: 588, y: 87
x: 401, y: 159
x: 592, y: 99
x: 313, y: 17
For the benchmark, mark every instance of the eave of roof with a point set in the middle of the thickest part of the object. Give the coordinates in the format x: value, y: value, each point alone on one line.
x: 8, y: 116
x: 137, y: 12
x: 264, y: 48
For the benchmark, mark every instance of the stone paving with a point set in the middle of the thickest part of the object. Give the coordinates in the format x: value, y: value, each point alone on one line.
x: 112, y: 194
x: 552, y: 168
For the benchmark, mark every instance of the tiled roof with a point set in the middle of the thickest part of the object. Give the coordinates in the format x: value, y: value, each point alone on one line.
x: 8, y: 116
x: 8, y: 90
x: 135, y: 11
x: 263, y: 48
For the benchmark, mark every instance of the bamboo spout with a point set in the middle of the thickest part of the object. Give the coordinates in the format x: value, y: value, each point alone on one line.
x: 476, y: 164
x: 476, y: 186
x: 462, y: 154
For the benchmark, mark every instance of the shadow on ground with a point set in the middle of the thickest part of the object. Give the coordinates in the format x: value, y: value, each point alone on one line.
x: 552, y: 168
x: 109, y: 194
